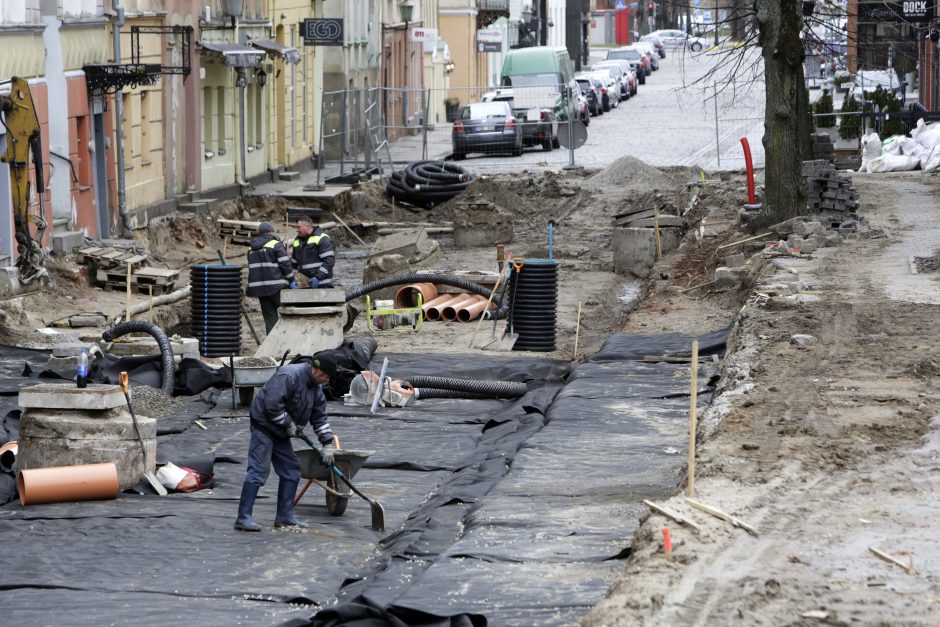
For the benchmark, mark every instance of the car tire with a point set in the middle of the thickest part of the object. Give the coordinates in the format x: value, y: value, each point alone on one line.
x: 555, y: 142
x: 517, y: 150
x: 547, y: 144
x: 642, y: 78
x: 696, y: 46
x: 459, y: 156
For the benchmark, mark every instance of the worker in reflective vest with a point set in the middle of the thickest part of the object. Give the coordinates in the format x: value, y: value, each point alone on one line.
x: 313, y: 254
x: 269, y: 271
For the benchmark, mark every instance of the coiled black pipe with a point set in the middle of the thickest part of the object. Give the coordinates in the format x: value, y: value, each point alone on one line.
x: 493, y: 389
x: 166, y: 349
x: 428, y: 183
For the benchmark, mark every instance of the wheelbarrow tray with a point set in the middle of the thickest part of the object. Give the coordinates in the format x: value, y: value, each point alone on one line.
x: 348, y: 462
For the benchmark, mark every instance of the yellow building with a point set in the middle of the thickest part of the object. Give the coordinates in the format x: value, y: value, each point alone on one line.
x: 458, y: 27
x: 295, y: 78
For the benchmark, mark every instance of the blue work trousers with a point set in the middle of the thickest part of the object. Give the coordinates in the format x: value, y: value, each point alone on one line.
x: 263, y: 450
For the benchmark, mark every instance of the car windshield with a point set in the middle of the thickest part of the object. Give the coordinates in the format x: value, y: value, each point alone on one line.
x: 613, y: 69
x: 482, y: 110
x: 531, y: 79
x: 624, y: 53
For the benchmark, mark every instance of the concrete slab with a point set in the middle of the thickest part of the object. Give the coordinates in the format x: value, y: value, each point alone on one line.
x: 304, y: 331
x: 148, y: 346
x: 67, y: 241
x: 301, y: 297
x: 96, y: 396
x: 410, y: 244
x: 71, y: 349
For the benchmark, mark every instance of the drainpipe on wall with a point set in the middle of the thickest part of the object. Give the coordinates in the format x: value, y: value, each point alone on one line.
x: 119, y: 113
x: 241, y: 81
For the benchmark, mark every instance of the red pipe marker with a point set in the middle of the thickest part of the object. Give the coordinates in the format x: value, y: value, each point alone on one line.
x: 667, y: 543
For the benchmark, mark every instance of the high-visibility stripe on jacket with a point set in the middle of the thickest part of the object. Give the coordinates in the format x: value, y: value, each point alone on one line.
x: 269, y: 267
x: 314, y: 256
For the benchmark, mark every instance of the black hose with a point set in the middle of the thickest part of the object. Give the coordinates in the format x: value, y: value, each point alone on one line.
x: 428, y: 183
x: 493, y: 389
x: 423, y: 393
x: 166, y: 349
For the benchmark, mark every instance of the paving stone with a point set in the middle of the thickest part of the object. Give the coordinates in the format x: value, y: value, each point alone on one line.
x: 735, y: 261
x: 802, y: 340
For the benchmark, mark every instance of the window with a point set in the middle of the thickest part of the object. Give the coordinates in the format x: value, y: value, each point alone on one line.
x: 304, y: 92
x: 208, y: 143
x: 292, y: 93
x: 220, y: 137
x: 84, y: 156
x: 145, y: 127
x: 128, y: 128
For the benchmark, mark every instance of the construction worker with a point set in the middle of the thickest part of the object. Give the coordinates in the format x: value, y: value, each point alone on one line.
x: 313, y: 254
x: 280, y: 409
x: 269, y: 271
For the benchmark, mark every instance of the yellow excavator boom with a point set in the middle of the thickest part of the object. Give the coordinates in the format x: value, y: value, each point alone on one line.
x: 19, y: 118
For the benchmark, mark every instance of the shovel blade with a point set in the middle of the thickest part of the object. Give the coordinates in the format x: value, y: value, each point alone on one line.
x: 378, y: 516
x: 507, y: 341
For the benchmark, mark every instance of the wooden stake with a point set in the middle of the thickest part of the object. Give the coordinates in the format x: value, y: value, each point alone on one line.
x: 340, y: 220
x: 909, y: 567
x: 717, y: 513
x: 692, y: 418
x: 487, y: 308
x: 744, y: 241
x: 577, y: 332
x: 225, y: 247
x: 127, y: 316
x: 659, y: 243
x: 668, y: 513
x: 150, y: 304
x: 695, y: 287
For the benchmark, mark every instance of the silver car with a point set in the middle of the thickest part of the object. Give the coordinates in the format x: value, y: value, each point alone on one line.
x: 486, y: 127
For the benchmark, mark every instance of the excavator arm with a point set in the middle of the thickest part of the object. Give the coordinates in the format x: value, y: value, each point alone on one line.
x: 18, y: 116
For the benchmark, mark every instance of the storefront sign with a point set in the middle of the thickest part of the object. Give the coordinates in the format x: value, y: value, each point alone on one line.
x: 911, y: 11
x: 322, y: 32
x: 490, y: 40
x: 424, y: 35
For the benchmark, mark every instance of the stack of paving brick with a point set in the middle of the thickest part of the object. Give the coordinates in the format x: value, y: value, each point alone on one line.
x: 107, y: 268
x: 238, y: 232
x: 822, y: 146
x: 829, y: 193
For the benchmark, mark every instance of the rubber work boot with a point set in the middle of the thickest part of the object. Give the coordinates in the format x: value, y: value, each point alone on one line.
x: 245, y: 505
x: 286, y: 491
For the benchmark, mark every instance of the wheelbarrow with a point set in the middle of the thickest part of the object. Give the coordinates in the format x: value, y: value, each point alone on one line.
x: 314, y: 470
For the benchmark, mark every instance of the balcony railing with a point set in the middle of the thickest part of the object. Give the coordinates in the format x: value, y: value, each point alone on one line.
x: 493, y: 5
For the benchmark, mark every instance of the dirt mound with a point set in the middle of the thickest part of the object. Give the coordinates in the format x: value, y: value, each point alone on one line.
x: 630, y: 172
x: 486, y: 190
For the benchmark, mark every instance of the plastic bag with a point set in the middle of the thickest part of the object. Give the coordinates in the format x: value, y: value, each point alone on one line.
x: 871, y: 149
x: 893, y: 163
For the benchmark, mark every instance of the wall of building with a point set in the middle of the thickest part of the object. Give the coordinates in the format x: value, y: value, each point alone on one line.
x: 458, y: 26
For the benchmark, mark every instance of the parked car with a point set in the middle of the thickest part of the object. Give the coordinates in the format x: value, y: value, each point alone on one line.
x: 629, y: 72
x: 611, y: 90
x: 647, y: 48
x: 539, y: 124
x: 635, y: 58
x: 591, y: 89
x: 617, y: 72
x: 677, y: 38
x: 582, y: 103
x: 867, y: 81
x: 486, y: 127
x: 658, y: 44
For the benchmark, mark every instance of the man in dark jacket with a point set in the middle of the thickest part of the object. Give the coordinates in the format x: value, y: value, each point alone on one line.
x: 313, y: 253
x: 280, y: 409
x: 269, y: 271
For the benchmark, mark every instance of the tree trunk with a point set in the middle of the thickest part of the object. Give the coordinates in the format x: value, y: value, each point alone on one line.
x: 786, y: 132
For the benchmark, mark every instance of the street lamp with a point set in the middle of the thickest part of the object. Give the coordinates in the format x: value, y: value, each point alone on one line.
x: 406, y: 9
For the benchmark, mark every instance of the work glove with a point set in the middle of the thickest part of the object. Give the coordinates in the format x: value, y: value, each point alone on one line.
x: 291, y: 429
x: 314, y: 282
x: 293, y: 285
x: 327, y: 453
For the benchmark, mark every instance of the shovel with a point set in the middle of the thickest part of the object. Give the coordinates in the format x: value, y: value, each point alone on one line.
x: 148, y: 474
x: 508, y: 339
x: 378, y: 512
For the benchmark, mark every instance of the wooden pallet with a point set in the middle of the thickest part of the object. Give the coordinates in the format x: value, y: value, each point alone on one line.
x: 143, y: 290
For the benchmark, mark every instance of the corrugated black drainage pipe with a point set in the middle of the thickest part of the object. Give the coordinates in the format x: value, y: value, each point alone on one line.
x: 492, y: 389
x: 217, y: 308
x: 166, y: 349
x: 533, y: 297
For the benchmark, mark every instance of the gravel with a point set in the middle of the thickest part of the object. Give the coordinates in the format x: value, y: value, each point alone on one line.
x: 255, y: 362
x: 153, y: 403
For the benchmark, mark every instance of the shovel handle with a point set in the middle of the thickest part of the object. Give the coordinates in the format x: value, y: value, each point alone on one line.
x: 122, y: 379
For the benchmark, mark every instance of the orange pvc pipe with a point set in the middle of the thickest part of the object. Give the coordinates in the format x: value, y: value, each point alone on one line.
x: 473, y: 310
x: 443, y: 298
x: 407, y: 296
x: 86, y: 482
x: 8, y: 454
x: 449, y: 311
x: 434, y: 313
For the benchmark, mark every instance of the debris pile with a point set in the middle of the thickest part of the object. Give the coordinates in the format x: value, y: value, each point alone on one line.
x: 829, y: 194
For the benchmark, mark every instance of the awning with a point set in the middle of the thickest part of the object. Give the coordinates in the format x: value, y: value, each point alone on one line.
x: 289, y: 54
x: 232, y: 55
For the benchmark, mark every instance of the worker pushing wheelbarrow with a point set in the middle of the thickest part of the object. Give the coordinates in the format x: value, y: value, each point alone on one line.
x: 290, y: 399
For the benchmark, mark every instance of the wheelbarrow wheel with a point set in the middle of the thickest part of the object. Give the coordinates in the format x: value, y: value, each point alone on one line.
x: 336, y: 505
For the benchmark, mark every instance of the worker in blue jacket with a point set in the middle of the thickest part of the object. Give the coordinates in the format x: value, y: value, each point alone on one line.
x: 269, y: 271
x: 313, y: 253
x: 281, y: 408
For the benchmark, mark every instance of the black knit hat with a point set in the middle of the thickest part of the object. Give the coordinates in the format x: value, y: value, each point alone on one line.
x: 325, y: 364
x: 266, y: 227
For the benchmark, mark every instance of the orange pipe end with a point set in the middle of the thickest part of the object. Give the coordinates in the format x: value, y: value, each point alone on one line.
x: 85, y: 482
x: 407, y: 295
x: 449, y: 312
x: 472, y: 310
x: 436, y: 312
x: 443, y: 298
x: 8, y: 453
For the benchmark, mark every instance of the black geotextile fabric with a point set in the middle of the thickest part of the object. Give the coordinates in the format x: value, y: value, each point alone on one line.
x: 513, y: 512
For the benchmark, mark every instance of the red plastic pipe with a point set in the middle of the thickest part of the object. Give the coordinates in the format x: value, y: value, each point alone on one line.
x: 751, y: 199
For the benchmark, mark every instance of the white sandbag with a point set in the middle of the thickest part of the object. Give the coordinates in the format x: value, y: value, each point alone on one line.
x: 927, y: 135
x: 932, y: 161
x: 892, y: 145
x: 893, y: 163
x: 871, y: 148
